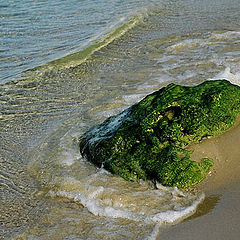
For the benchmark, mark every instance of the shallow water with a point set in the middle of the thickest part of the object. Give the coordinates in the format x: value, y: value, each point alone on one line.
x: 47, y: 190
x: 35, y: 32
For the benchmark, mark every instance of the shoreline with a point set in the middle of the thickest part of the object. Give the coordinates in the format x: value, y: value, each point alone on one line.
x: 218, y: 216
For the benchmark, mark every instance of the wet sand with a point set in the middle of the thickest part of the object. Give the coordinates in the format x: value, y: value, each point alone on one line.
x: 218, y: 217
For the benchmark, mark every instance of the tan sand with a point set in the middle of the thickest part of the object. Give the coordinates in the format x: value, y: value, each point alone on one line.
x: 219, y: 216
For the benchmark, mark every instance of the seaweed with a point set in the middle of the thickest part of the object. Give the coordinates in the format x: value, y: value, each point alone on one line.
x: 149, y: 140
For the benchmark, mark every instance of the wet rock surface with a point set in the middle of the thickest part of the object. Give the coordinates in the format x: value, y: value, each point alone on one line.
x: 148, y: 140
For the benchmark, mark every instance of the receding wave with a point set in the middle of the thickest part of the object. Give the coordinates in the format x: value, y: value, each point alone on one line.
x: 79, y: 57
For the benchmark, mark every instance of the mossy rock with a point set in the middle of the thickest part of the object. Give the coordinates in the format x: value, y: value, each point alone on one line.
x: 148, y: 140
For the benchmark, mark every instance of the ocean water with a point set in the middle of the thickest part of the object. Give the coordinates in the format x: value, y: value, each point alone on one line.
x: 66, y: 66
x: 36, y: 32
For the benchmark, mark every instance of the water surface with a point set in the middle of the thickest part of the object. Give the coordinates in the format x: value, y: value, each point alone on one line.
x: 47, y: 190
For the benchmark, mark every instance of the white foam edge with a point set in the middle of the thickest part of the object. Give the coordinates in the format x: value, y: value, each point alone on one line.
x: 225, y: 35
x: 234, y: 78
x: 185, y: 213
x: 133, y: 98
x: 165, y: 217
x: 188, y: 43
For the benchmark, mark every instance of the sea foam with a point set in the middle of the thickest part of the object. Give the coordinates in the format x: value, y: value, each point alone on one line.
x: 106, y: 195
x: 234, y: 78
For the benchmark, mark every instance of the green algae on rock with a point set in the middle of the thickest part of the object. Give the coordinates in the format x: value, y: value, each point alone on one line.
x: 149, y: 139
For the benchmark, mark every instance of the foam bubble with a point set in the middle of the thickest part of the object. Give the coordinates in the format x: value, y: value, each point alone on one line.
x: 234, y: 78
x: 225, y: 36
x: 68, y: 158
x: 133, y: 98
x: 68, y: 154
x: 106, y: 195
x: 186, y: 44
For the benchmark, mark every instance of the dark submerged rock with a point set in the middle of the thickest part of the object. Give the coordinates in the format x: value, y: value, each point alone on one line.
x: 149, y: 139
